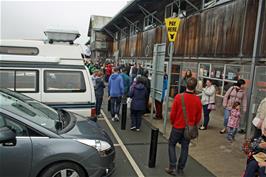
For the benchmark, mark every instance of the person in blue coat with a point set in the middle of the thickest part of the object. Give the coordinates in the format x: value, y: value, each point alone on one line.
x: 115, y: 92
x: 139, y: 94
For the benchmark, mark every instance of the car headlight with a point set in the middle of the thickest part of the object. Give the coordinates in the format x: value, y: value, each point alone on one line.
x: 99, y: 145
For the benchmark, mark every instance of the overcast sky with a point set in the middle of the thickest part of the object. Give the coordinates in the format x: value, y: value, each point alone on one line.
x: 29, y: 19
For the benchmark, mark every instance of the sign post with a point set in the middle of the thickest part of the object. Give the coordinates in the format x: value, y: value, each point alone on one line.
x: 172, y: 25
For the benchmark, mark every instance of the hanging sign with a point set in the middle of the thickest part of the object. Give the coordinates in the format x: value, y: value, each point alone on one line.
x: 172, y: 25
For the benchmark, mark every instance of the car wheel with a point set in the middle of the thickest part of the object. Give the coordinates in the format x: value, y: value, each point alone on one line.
x: 65, y: 169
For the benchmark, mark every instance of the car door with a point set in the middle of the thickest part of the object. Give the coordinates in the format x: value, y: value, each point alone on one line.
x: 15, y: 160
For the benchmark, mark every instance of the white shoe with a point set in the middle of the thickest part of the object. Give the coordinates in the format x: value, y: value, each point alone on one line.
x: 113, y: 119
x: 133, y: 128
x: 116, y: 117
x: 137, y: 129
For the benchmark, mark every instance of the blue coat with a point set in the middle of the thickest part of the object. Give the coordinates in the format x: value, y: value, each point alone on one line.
x: 99, y: 87
x: 115, y: 85
x: 139, y: 94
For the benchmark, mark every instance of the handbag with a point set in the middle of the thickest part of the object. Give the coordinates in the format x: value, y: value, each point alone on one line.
x: 257, y: 122
x: 211, y: 106
x: 190, y: 132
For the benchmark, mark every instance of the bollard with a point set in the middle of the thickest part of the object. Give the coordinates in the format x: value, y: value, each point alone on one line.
x: 153, y: 147
x: 124, y: 116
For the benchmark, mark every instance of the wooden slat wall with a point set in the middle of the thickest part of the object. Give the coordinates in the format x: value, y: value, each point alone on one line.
x: 250, y: 28
x: 216, y: 32
x: 263, y: 42
x: 133, y: 46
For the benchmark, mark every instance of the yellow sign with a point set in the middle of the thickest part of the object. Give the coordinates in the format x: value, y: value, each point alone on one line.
x: 172, y: 25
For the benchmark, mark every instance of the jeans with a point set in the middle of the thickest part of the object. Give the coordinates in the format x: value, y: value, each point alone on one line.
x: 252, y: 167
x: 231, y: 133
x: 206, y: 112
x: 136, y: 117
x: 226, y: 116
x: 99, y: 101
x: 177, y: 136
x: 115, y: 105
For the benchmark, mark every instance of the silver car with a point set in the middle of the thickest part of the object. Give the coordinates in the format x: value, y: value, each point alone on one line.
x: 38, y: 141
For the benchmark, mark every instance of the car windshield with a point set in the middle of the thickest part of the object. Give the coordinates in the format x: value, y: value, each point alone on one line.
x: 30, y: 109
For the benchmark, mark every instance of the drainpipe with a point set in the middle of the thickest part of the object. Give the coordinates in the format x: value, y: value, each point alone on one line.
x: 256, y: 49
x: 243, y: 30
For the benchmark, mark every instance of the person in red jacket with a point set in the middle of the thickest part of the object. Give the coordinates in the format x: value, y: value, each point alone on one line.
x: 194, y: 110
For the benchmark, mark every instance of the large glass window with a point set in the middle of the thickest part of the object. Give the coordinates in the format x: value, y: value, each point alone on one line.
x: 64, y: 81
x: 222, y: 76
x: 19, y: 80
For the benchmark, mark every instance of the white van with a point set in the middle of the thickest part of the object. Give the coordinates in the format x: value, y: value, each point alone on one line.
x: 52, y: 73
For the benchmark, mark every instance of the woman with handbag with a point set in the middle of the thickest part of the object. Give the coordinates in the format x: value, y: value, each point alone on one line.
x: 208, y: 102
x: 235, y: 93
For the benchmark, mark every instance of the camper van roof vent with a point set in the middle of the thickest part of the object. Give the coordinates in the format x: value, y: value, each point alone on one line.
x: 54, y: 35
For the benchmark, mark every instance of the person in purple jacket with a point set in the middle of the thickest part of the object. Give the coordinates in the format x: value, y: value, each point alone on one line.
x: 139, y: 94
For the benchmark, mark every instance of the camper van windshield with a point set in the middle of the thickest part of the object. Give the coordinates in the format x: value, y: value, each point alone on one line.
x: 11, y: 50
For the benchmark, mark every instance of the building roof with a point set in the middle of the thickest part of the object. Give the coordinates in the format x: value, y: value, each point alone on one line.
x: 97, y: 22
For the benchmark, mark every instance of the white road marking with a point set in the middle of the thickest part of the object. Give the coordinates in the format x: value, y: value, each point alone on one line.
x: 116, y: 145
x: 123, y: 147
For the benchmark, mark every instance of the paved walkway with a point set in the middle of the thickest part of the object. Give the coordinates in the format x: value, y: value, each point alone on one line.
x: 210, y: 155
x: 137, y: 144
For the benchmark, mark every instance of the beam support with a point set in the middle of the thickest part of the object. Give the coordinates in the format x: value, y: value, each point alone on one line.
x: 131, y: 23
x: 146, y: 12
x: 110, y: 33
x: 120, y: 29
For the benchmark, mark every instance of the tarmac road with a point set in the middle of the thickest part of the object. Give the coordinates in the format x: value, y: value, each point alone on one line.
x: 132, y: 150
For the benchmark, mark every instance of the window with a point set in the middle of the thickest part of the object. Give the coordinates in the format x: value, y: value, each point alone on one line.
x: 149, y: 21
x: 19, y: 50
x: 211, y: 3
x: 124, y: 32
x: 19, y: 129
x: 170, y: 9
x: 64, y: 81
x: 133, y: 28
x: 19, y: 80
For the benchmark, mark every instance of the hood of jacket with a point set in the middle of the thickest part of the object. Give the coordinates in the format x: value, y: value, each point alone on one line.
x: 114, y: 76
x: 139, y: 86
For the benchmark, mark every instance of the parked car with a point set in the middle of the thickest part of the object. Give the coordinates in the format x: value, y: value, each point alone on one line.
x: 39, y: 141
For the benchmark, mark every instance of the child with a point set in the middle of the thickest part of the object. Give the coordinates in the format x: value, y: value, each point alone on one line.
x: 138, y: 93
x: 233, y: 121
x: 99, y: 91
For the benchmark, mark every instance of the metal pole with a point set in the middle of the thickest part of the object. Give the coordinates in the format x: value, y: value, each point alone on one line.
x: 124, y: 116
x: 153, y: 147
x: 168, y: 86
x: 256, y: 48
x: 153, y: 83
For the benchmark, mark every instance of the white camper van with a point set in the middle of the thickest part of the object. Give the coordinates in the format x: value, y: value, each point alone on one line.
x: 50, y: 72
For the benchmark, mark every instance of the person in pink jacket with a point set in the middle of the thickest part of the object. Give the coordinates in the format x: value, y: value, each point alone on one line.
x: 234, y: 94
x: 233, y: 122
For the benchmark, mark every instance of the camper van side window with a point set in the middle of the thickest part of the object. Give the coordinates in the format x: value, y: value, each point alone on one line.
x: 64, y: 81
x: 13, y: 50
x: 19, y: 80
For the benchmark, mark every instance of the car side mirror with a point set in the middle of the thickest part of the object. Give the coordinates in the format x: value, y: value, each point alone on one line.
x: 7, y: 137
x: 58, y: 125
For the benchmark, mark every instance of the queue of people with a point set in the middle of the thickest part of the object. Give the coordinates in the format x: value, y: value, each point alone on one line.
x: 132, y: 82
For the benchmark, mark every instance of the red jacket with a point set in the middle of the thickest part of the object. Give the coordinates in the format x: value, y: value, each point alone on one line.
x: 193, y: 108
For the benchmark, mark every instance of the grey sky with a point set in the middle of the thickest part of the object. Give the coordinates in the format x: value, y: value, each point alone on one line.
x: 29, y: 19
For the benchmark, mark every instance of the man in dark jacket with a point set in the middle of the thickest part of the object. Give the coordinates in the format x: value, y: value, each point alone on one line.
x: 193, y: 108
x: 115, y: 92
x: 138, y: 93
x: 147, y: 84
x: 99, y: 91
